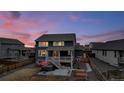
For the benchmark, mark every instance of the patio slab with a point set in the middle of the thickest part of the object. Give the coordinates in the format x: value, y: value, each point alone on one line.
x: 58, y: 72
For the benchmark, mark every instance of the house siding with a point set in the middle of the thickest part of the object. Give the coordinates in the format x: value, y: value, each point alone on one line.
x: 108, y: 58
x: 49, y: 48
x: 4, y: 51
x: 61, y: 52
x: 69, y: 43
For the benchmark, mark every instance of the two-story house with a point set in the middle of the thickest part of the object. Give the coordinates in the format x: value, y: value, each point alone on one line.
x: 56, y: 48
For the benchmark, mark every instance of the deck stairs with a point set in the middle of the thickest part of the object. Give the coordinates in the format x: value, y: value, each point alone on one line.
x: 55, y: 62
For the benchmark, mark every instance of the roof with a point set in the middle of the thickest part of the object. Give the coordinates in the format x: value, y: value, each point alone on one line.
x: 57, y: 37
x: 8, y: 40
x: 110, y: 45
x: 79, y: 47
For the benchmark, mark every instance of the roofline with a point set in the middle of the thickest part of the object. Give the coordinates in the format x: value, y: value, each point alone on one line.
x: 109, y: 49
x: 8, y: 38
x: 58, y: 34
x: 12, y: 39
x: 114, y: 40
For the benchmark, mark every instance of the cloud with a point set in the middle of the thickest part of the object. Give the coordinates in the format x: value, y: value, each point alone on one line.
x: 15, y: 14
x: 27, y: 38
x: 85, y: 39
x: 86, y: 20
x: 25, y: 29
x: 15, y: 27
x: 74, y: 18
x: 92, y: 21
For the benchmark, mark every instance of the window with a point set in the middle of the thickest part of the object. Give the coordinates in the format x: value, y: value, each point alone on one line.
x: 56, y: 54
x: 115, y: 55
x: 42, y: 53
x: 105, y: 53
x: 43, y: 44
x: 60, y: 43
x: 68, y: 43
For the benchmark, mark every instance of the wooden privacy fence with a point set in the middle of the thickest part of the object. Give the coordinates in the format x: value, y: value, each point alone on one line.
x: 13, y: 65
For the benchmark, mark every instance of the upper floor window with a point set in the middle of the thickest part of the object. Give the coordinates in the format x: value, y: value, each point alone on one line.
x: 104, y: 53
x: 43, y: 44
x: 115, y: 54
x: 59, y: 43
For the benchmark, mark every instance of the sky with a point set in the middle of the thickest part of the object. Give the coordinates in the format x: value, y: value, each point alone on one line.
x: 89, y: 26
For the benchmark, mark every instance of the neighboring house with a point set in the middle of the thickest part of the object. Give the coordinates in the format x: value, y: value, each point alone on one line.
x: 111, y: 52
x: 28, y: 52
x: 79, y: 50
x: 56, y: 48
x: 12, y: 48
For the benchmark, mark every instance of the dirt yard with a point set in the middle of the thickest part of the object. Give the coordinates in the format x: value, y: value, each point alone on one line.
x: 23, y: 74
x: 29, y: 73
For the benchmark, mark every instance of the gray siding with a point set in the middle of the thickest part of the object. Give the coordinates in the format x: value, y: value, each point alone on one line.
x: 109, y: 57
x: 6, y: 51
x: 69, y: 45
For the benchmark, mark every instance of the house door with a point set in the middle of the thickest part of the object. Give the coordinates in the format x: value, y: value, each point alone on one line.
x: 121, y: 53
x: 56, y: 54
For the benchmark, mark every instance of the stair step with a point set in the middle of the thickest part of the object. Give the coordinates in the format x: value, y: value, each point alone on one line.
x: 56, y: 63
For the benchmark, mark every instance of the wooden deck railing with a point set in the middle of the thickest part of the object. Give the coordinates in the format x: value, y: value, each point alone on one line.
x: 61, y: 59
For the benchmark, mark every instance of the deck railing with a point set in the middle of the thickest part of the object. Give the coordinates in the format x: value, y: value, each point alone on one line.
x: 60, y: 59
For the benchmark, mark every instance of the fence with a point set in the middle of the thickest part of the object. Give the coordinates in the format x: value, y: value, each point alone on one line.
x: 98, y: 73
x: 61, y: 59
x: 7, y: 67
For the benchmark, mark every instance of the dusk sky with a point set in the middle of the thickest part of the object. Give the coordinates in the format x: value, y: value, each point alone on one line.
x: 88, y: 26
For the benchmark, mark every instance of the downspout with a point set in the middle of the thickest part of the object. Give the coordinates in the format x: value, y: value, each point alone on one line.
x: 71, y: 61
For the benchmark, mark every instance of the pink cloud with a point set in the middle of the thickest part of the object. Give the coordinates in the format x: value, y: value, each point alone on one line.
x: 16, y: 25
x: 19, y: 28
x: 26, y: 38
x: 74, y: 18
